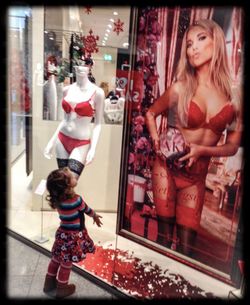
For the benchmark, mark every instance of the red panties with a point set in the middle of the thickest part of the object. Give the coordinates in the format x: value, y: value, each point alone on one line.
x: 70, y: 143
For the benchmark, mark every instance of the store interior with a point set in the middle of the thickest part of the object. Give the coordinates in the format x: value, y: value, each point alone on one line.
x: 131, y: 262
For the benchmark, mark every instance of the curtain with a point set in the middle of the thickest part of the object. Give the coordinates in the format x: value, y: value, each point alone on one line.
x: 161, y: 49
x: 235, y: 60
x: 201, y: 13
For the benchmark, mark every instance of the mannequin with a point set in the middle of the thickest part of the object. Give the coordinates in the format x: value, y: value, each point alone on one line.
x: 60, y: 112
x: 113, y: 109
x: 50, y: 95
x: 74, y: 143
x: 50, y: 91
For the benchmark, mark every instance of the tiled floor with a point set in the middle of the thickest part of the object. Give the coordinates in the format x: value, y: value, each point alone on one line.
x: 26, y: 268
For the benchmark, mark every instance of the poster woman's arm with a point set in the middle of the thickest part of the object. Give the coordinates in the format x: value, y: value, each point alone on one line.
x: 229, y: 148
x: 163, y: 103
x: 99, y: 106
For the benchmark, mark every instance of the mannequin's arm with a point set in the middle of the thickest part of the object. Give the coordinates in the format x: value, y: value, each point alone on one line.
x: 99, y: 107
x: 51, y: 144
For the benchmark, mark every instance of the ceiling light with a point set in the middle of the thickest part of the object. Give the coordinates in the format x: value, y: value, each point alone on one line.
x: 105, y: 38
x: 115, y: 13
x: 125, y: 44
x: 111, y: 19
x: 103, y: 44
x: 106, y: 34
x: 110, y: 26
x: 108, y: 30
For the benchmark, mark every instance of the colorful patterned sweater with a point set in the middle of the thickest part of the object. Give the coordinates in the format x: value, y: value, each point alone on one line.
x: 71, y: 213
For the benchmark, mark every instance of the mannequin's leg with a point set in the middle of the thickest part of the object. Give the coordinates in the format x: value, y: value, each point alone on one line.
x: 76, y: 167
x: 61, y: 154
x: 77, y: 159
x: 62, y: 162
x: 164, y: 194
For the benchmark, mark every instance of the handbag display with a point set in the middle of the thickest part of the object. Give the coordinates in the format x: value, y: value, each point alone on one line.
x: 173, y: 147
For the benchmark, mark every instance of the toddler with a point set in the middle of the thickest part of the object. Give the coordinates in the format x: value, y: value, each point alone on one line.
x: 72, y: 241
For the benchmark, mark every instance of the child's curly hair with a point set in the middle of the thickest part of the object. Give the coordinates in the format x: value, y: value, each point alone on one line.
x: 58, y: 186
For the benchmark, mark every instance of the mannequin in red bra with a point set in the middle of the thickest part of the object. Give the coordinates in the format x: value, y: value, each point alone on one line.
x: 200, y: 104
x: 73, y: 140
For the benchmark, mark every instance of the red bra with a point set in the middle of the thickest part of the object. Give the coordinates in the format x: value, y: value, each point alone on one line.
x: 82, y: 109
x: 197, y: 118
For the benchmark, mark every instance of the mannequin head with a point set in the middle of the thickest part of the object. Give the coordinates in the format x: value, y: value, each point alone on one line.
x: 85, y: 61
x: 83, y: 68
x: 51, y: 65
x: 88, y: 61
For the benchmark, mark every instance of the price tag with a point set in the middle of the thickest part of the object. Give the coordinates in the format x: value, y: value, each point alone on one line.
x: 41, y: 187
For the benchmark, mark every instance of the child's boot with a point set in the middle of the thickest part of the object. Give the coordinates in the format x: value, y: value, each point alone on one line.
x: 64, y: 290
x: 49, y: 283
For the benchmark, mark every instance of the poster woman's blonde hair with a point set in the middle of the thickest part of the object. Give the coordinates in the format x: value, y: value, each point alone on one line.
x: 219, y: 68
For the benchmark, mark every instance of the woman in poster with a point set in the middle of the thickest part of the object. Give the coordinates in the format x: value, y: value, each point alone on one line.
x: 200, y: 108
x: 73, y: 140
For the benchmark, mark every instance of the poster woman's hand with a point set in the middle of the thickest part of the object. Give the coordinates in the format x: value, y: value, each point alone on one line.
x: 156, y: 144
x: 194, y: 153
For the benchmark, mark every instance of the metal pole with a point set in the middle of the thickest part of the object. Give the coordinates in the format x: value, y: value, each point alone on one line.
x: 41, y: 239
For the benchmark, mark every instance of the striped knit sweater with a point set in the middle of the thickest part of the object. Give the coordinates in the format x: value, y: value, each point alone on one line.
x: 71, y: 213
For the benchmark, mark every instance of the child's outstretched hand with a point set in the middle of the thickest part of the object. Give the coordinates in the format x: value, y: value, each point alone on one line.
x: 97, y: 220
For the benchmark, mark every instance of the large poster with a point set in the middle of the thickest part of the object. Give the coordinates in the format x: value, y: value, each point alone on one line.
x: 181, y: 178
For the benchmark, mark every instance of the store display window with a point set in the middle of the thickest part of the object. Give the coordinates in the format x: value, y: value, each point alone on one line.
x: 90, y: 79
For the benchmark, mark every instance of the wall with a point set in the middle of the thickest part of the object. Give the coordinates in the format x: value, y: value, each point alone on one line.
x: 105, y: 71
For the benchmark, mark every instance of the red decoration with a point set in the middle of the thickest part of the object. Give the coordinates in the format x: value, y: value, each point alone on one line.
x: 241, y: 266
x: 140, y: 279
x: 118, y: 26
x: 89, y: 42
x: 88, y: 9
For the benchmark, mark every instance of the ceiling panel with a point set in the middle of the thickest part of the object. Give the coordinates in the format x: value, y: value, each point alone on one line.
x: 99, y: 19
x: 62, y: 21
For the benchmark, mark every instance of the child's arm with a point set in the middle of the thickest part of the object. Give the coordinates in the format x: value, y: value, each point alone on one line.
x: 90, y: 212
x: 97, y: 219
